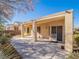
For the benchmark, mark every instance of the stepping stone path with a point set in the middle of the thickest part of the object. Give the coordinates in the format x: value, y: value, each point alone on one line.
x: 38, y: 50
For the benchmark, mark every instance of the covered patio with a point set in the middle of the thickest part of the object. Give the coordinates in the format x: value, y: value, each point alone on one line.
x: 57, y: 27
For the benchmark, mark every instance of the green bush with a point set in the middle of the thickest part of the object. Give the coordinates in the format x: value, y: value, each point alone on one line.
x: 8, y: 35
x: 73, y: 56
x: 5, y: 38
x: 77, y: 40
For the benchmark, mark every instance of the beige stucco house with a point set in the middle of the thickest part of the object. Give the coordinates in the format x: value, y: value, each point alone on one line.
x: 56, y: 28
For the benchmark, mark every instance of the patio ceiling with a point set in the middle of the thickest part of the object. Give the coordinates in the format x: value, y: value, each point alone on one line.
x: 50, y: 19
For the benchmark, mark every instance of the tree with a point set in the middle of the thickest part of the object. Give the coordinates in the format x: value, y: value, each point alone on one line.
x: 8, y: 7
x: 7, y: 10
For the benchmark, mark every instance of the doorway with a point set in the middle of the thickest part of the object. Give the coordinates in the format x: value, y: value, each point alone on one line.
x: 56, y: 33
x: 59, y: 33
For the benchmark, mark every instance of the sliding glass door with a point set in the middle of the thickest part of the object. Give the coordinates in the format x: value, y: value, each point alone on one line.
x: 56, y: 33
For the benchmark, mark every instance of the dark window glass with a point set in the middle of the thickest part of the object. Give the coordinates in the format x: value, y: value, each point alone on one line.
x: 38, y: 29
x: 53, y: 30
x: 15, y: 28
x: 49, y: 30
x: 28, y: 30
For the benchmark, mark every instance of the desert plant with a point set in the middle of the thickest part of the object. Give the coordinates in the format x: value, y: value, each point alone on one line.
x: 77, y: 40
x: 9, y: 52
x: 73, y: 56
x: 5, y: 38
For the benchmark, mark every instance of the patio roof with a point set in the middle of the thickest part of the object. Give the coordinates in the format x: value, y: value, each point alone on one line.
x: 56, y: 16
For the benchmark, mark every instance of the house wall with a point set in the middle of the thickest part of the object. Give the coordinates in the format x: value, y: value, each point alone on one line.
x: 45, y: 31
x: 25, y: 30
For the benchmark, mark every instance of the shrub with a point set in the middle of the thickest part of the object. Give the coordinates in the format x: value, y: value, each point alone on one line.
x: 77, y: 40
x: 5, y: 38
x: 9, y: 52
x: 73, y: 56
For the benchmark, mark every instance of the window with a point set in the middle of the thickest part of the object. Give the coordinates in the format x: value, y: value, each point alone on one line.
x: 54, y: 30
x: 28, y: 30
x: 38, y: 29
x: 15, y: 28
x: 49, y: 30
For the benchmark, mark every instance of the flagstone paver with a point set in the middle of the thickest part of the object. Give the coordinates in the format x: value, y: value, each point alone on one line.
x: 38, y: 50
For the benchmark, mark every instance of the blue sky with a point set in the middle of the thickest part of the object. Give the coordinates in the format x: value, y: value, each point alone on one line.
x: 46, y: 7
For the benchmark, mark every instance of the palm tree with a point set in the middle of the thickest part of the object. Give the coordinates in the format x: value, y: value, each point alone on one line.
x: 7, y: 10
x: 8, y: 7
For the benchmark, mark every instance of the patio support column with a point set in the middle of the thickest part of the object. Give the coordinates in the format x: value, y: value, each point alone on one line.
x: 22, y: 33
x: 26, y: 30
x: 50, y: 33
x: 69, y: 31
x: 34, y: 35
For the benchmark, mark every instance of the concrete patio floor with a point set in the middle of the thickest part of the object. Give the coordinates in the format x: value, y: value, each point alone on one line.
x: 38, y: 50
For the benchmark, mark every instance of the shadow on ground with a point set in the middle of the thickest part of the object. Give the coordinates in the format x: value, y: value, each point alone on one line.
x: 38, y: 50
